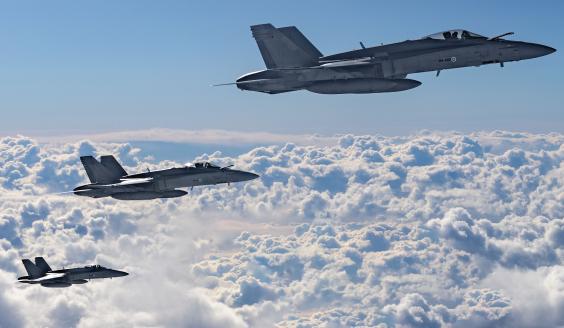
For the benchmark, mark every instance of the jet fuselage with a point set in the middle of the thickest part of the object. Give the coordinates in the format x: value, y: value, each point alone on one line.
x: 160, y: 183
x: 375, y: 69
x: 43, y: 275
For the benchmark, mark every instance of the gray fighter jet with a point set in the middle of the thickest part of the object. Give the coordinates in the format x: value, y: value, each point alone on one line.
x: 293, y: 63
x: 110, y: 179
x: 40, y: 273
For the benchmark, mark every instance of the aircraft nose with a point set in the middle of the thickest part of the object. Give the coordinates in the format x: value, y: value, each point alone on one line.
x: 533, y: 50
x: 545, y: 50
x: 118, y: 273
x: 249, y: 176
x: 245, y: 176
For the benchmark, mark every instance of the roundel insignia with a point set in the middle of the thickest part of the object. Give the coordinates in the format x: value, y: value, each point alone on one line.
x: 453, y: 59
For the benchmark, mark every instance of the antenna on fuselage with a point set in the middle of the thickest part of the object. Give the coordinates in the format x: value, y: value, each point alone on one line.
x: 362, y: 45
x: 500, y: 36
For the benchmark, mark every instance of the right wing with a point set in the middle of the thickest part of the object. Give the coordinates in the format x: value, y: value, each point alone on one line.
x: 133, y: 182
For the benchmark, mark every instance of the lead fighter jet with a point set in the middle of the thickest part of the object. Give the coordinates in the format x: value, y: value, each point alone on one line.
x: 294, y: 63
x: 108, y: 178
x: 41, y: 273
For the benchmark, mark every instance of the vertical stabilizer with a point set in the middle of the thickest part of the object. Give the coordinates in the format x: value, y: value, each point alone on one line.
x: 98, y: 173
x: 284, y: 47
x: 113, y: 166
x: 42, y: 265
x: 32, y: 270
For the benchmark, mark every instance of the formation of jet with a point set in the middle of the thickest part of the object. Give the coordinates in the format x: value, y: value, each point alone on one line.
x: 109, y: 179
x: 294, y: 63
x: 41, y: 273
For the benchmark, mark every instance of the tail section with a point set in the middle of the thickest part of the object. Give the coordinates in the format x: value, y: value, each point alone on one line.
x: 284, y: 47
x: 42, y: 265
x: 32, y: 270
x: 112, y: 164
x: 108, y: 171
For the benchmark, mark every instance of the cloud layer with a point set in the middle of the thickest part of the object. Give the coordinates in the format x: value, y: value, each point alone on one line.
x: 421, y: 231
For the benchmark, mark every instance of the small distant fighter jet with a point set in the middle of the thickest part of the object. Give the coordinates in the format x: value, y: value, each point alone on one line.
x: 110, y: 179
x: 40, y: 273
x: 294, y: 63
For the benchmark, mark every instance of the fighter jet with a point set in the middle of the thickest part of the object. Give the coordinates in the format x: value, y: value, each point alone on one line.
x: 294, y: 63
x: 108, y: 178
x: 40, y: 273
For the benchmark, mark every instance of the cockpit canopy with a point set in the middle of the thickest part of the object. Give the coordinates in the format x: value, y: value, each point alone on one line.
x: 455, y: 35
x: 96, y: 266
x: 205, y: 165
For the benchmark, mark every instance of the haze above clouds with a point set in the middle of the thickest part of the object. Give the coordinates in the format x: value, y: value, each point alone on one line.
x: 428, y: 230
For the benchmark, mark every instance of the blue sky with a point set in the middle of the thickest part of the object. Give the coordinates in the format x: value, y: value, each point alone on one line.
x: 68, y: 67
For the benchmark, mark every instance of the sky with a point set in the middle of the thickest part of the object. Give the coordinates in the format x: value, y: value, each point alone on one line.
x: 68, y: 67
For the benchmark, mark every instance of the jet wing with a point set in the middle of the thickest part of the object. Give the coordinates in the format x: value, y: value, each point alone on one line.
x: 49, y: 277
x: 122, y: 183
x: 134, y: 181
x: 348, y: 63
x: 379, y: 52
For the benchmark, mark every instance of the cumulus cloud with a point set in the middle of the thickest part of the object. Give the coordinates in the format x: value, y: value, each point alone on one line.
x: 429, y: 230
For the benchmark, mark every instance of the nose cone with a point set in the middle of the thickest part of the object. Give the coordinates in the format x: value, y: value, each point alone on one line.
x: 238, y: 176
x: 117, y: 273
x: 533, y: 50
x: 545, y: 50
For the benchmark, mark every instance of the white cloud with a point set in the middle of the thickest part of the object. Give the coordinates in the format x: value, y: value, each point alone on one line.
x: 428, y: 230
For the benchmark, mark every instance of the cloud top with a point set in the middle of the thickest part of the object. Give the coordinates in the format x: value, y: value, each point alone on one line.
x: 430, y: 230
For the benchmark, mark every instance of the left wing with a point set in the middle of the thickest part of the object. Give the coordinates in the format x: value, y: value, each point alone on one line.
x: 132, y: 182
x: 49, y: 277
x: 348, y: 63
